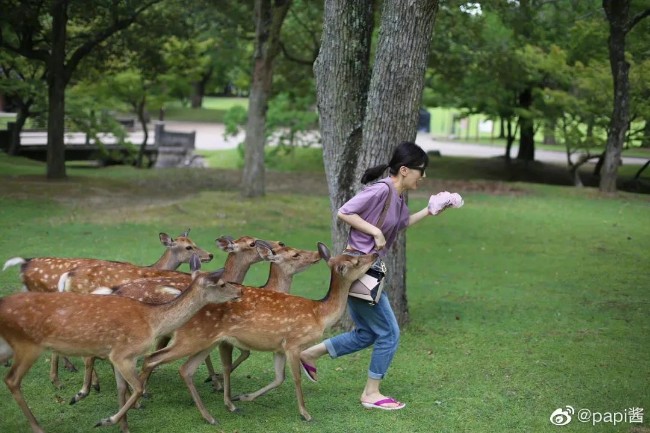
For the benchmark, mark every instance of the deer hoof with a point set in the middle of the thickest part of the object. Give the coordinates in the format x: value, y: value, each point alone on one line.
x: 104, y: 422
x: 78, y: 397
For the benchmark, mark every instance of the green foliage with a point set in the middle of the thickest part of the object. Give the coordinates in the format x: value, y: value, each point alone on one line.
x: 289, y: 123
x: 513, y: 313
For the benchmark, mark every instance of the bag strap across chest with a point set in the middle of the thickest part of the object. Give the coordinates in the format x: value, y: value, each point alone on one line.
x: 384, y: 211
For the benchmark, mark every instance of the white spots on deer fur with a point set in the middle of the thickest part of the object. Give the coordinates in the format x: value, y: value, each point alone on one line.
x: 169, y: 291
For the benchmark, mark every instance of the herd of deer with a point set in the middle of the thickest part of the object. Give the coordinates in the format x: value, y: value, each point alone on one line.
x: 163, y: 315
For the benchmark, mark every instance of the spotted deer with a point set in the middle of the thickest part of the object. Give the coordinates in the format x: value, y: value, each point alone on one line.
x: 242, y: 253
x: 263, y: 320
x: 42, y: 274
x: 120, y: 329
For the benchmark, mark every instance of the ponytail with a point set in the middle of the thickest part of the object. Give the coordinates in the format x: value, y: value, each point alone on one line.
x: 373, y: 173
x: 406, y: 154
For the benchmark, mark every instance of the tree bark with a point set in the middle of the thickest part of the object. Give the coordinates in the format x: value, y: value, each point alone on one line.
x: 617, y: 12
x: 361, y: 123
x: 56, y: 83
x: 342, y: 72
x: 526, y: 131
x: 392, y: 112
x: 269, y: 16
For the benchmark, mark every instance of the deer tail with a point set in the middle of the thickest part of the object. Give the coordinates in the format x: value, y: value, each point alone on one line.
x: 13, y: 262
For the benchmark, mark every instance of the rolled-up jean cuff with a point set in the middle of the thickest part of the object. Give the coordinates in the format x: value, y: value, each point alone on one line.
x: 375, y: 376
x: 330, y: 348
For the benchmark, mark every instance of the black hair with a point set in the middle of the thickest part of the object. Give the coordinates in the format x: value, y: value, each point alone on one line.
x: 407, y: 154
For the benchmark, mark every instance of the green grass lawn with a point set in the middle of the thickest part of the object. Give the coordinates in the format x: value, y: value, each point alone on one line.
x: 528, y: 299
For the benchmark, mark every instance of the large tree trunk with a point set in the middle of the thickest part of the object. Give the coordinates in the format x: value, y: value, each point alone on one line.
x: 56, y: 83
x: 269, y: 16
x: 342, y: 72
x: 617, y: 12
x: 393, y: 107
x: 353, y: 141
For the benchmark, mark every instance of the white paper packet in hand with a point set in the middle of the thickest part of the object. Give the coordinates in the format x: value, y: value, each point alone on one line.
x: 443, y: 200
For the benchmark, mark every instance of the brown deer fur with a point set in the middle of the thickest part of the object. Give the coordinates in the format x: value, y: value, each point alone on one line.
x: 42, y: 274
x: 119, y: 329
x: 263, y: 320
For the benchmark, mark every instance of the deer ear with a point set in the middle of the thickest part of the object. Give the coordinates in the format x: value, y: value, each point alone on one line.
x: 166, y: 240
x: 195, y: 263
x: 225, y: 243
x: 217, y: 274
x: 265, y: 251
x: 324, y: 251
x: 185, y: 233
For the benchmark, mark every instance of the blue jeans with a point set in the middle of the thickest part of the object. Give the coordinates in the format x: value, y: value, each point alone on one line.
x: 373, y: 325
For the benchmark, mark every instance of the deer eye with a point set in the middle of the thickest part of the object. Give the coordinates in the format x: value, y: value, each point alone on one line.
x: 189, y: 247
x: 296, y: 255
x: 252, y: 244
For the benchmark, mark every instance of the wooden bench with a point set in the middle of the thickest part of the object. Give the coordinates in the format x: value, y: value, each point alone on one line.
x: 170, y: 148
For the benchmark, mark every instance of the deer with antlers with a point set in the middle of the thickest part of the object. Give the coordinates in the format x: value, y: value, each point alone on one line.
x: 42, y: 274
x: 121, y: 330
x: 263, y: 320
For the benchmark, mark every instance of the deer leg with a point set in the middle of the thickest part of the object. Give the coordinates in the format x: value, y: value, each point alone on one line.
x: 279, y: 361
x: 225, y: 352
x: 24, y: 358
x: 68, y: 365
x: 187, y: 371
x: 94, y: 379
x: 293, y: 357
x: 125, y: 376
x: 88, y: 374
x: 212, y: 375
x: 54, y: 371
x: 243, y: 356
x: 154, y: 359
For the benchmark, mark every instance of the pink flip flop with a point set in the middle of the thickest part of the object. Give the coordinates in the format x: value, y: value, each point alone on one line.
x: 308, y: 370
x: 381, y: 404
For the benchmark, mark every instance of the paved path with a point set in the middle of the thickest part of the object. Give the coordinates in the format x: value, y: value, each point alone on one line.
x: 209, y: 136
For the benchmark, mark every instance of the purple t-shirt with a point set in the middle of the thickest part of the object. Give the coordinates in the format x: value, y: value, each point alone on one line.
x: 368, y: 204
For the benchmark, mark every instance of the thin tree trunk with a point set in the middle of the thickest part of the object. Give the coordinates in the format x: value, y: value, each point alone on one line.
x: 56, y: 83
x: 16, y: 129
x: 269, y: 17
x: 527, y: 131
x: 549, y: 132
x: 140, y: 110
x: 199, y: 89
x: 617, y: 12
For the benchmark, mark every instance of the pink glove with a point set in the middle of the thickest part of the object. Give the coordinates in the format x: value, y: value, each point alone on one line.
x: 443, y: 200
